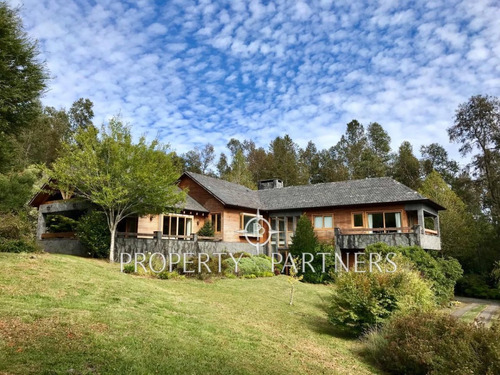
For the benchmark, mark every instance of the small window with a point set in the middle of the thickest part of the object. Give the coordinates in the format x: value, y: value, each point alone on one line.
x: 358, y: 220
x: 244, y: 220
x: 216, y: 220
x: 321, y: 222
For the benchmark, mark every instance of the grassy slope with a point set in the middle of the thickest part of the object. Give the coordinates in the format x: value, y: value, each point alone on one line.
x: 60, y: 313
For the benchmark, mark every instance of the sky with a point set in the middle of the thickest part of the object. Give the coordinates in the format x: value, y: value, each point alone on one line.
x: 192, y: 72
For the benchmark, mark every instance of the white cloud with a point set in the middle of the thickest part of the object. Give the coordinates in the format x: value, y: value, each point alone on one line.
x: 204, y: 71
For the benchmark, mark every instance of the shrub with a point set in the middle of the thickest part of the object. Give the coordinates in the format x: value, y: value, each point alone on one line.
x: 361, y: 301
x: 443, y: 273
x: 478, y: 286
x: 93, y: 233
x: 207, y: 230
x: 18, y: 246
x: 14, y: 227
x: 304, y: 239
x: 318, y: 276
x: 128, y: 268
x: 251, y: 265
x: 61, y: 224
x: 435, y: 343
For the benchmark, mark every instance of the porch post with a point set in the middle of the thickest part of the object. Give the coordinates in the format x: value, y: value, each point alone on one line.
x: 438, y: 227
x: 421, y: 219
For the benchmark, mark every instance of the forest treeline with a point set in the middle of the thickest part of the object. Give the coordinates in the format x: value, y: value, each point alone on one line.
x: 31, y: 136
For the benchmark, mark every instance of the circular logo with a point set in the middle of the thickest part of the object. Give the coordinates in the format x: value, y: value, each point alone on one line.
x: 257, y: 227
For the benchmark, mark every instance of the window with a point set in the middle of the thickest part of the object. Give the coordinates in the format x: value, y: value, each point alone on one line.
x: 385, y: 220
x: 323, y: 222
x: 128, y: 225
x: 252, y: 228
x: 357, y: 220
x: 216, y: 220
x: 177, y: 225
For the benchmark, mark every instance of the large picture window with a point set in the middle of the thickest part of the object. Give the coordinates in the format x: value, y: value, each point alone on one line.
x: 385, y: 221
x: 177, y: 225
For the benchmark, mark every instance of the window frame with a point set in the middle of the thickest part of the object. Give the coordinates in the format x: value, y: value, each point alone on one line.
x: 383, y: 212
x: 177, y: 216
x: 242, y: 222
x: 214, y: 222
x: 362, y: 219
x: 322, y: 216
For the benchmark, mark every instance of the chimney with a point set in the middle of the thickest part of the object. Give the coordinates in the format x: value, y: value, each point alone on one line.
x: 270, y: 184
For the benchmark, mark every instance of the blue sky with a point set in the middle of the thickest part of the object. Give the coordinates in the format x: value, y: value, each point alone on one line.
x: 203, y: 71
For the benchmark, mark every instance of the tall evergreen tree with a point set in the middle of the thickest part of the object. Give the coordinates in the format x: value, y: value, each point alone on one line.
x: 407, y: 167
x: 22, y: 80
x: 284, y: 160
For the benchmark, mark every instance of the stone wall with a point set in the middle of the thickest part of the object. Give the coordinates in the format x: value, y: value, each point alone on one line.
x: 69, y: 246
x: 166, y: 246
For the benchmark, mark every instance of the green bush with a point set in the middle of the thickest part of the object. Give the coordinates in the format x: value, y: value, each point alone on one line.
x: 61, y: 224
x: 477, y: 286
x: 434, y: 343
x: 443, y: 273
x: 92, y: 231
x: 361, y: 301
x: 252, y: 265
x: 14, y: 227
x: 207, y: 230
x: 18, y: 246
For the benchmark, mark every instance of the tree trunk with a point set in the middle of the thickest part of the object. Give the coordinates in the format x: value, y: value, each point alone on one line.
x: 112, y: 244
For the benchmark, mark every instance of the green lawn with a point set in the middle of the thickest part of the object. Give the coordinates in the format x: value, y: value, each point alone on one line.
x: 68, y: 315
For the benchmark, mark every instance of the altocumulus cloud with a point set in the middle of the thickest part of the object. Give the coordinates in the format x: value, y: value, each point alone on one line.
x: 205, y: 71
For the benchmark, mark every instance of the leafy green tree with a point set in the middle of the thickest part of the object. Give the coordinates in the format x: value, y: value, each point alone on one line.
x: 16, y: 188
x: 23, y: 77
x: 81, y: 114
x: 477, y: 127
x: 239, y: 172
x: 435, y: 157
x: 22, y: 80
x: 93, y: 233
x: 459, y: 232
x: 304, y: 240
x: 406, y: 167
x: 121, y: 177
x: 199, y: 160
x: 331, y: 167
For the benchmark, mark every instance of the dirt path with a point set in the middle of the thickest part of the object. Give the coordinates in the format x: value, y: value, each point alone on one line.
x: 492, y: 310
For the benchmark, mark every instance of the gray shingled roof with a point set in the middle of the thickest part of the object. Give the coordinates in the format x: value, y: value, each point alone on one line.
x: 227, y: 192
x: 330, y: 194
x: 192, y: 205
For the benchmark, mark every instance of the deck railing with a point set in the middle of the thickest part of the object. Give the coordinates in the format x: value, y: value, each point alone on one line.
x: 191, y: 237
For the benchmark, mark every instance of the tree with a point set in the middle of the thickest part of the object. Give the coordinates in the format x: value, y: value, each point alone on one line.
x: 121, y: 177
x: 351, y: 147
x: 309, y: 162
x: 222, y: 166
x: 284, y: 162
x: 477, y: 127
x: 435, y: 157
x: 238, y: 172
x: 199, y: 160
x: 304, y: 240
x: 22, y: 80
x: 459, y: 232
x: 81, y: 114
x: 331, y: 167
x: 23, y: 77
x: 407, y: 167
